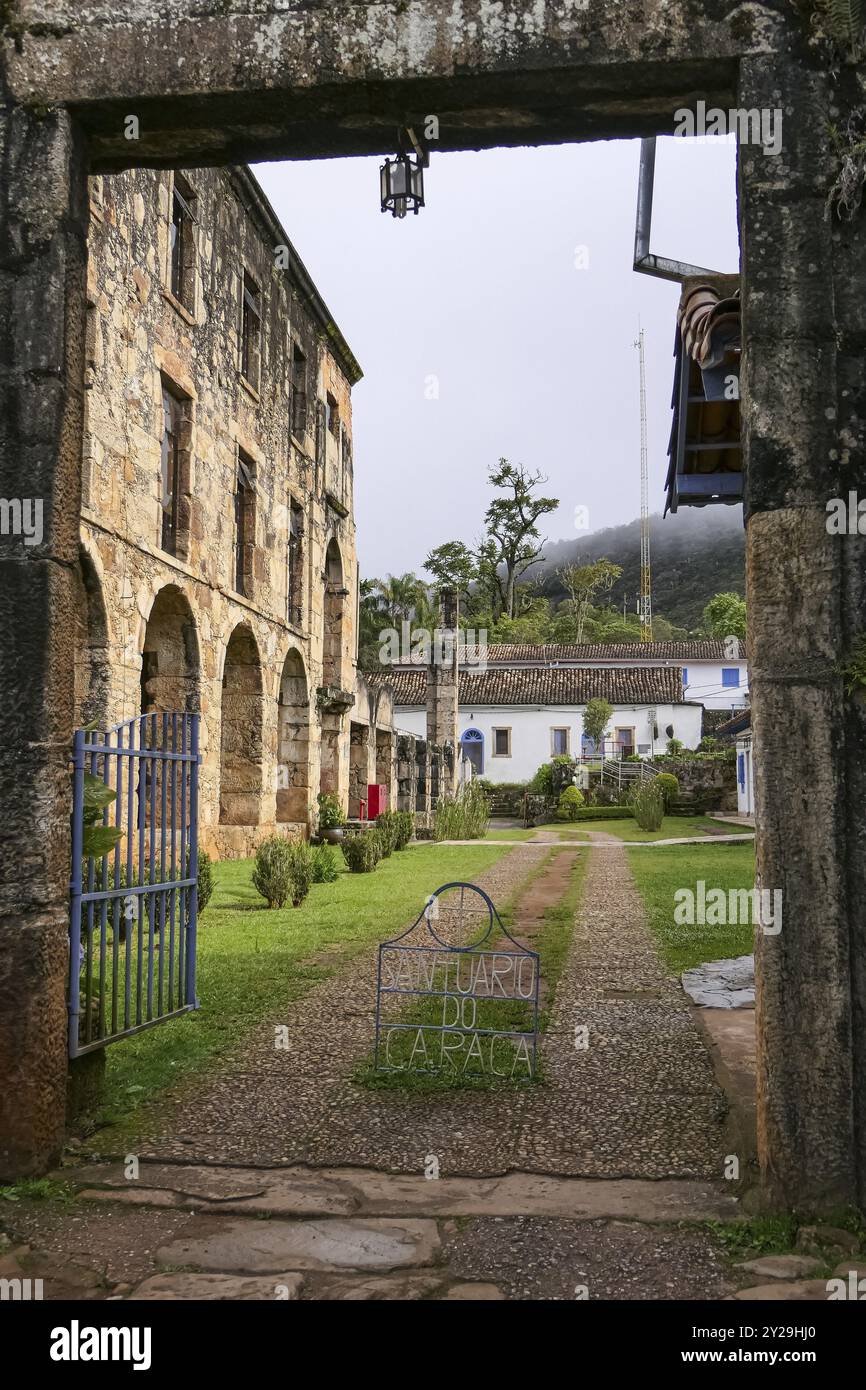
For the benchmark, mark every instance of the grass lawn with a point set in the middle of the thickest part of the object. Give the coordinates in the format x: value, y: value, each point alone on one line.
x: 660, y: 872
x: 252, y: 960
x: 551, y: 943
x: 673, y: 827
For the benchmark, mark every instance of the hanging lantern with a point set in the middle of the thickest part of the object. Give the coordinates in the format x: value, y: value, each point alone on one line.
x: 401, y: 180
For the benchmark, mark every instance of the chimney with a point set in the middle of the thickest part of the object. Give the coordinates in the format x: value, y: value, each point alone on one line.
x: 442, y: 687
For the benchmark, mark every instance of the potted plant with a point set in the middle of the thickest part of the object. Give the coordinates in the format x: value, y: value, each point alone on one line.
x: 331, y: 818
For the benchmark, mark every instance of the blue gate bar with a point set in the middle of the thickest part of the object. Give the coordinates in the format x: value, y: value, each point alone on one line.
x: 137, y: 903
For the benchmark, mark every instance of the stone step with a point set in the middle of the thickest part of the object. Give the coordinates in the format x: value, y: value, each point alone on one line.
x: 300, y: 1191
x: 237, y: 1246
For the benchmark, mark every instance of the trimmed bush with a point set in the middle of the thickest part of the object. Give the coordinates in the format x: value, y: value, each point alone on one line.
x: 570, y: 802
x: 386, y: 828
x: 272, y: 873
x: 302, y: 870
x: 669, y: 788
x: 205, y: 880
x: 325, y: 868
x: 648, y: 806
x: 362, y: 851
x: 603, y: 813
x: 405, y: 828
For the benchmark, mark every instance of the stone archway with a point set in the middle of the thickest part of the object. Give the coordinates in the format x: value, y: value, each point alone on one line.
x: 241, y: 731
x: 293, y: 743
x: 170, y: 666
x: 92, y: 662
x: 551, y: 73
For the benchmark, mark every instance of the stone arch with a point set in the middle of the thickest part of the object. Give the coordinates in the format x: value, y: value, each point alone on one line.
x: 335, y: 602
x: 241, y: 731
x: 293, y: 742
x: 92, y: 659
x: 170, y: 665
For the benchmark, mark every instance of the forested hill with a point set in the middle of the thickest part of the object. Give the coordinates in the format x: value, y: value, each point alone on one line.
x: 695, y: 554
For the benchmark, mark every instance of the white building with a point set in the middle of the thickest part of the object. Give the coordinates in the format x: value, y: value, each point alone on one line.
x: 513, y: 718
x: 740, y: 729
x: 714, y: 670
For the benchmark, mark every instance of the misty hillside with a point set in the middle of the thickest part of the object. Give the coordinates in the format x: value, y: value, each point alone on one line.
x: 695, y: 554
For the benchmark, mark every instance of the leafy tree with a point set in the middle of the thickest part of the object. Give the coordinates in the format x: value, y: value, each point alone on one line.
x: 399, y: 596
x: 452, y: 565
x: 725, y: 616
x: 583, y: 582
x: 596, y: 718
x: 512, y: 541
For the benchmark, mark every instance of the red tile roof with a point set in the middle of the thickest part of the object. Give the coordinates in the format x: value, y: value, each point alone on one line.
x: 527, y: 654
x: 564, y: 685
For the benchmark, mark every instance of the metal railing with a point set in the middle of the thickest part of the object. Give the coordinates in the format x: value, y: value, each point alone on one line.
x: 134, y: 909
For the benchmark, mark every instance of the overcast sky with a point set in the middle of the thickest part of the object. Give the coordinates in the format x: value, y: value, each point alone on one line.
x: 532, y: 356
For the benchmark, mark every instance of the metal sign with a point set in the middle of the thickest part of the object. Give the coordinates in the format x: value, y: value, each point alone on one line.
x: 449, y: 1003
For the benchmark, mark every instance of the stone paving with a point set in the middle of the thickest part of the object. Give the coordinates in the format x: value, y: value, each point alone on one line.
x: 290, y: 1182
x: 640, y: 1101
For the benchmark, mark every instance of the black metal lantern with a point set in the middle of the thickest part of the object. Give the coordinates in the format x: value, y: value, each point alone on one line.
x: 401, y: 180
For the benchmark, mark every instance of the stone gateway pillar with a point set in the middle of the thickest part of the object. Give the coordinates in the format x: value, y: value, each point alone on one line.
x: 442, y: 678
x: 43, y: 231
x: 804, y: 423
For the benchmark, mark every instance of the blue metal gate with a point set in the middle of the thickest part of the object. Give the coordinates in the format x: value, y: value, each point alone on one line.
x: 134, y: 908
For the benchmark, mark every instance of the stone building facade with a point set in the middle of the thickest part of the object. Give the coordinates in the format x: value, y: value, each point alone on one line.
x: 218, y: 570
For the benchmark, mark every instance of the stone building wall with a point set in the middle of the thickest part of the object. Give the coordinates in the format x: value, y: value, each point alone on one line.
x: 272, y: 673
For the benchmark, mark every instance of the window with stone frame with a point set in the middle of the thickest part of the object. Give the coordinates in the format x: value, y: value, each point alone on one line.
x: 299, y: 392
x: 559, y: 742
x: 345, y: 464
x: 502, y: 743
x: 245, y: 524
x: 251, y: 331
x: 175, y: 471
x: 321, y: 431
x: 295, y: 585
x: 182, y: 265
x: 333, y: 417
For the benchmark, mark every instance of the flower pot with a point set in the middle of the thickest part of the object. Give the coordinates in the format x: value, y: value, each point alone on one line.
x: 333, y: 835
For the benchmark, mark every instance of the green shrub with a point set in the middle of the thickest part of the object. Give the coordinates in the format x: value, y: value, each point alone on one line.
x: 330, y: 811
x: 570, y: 802
x: 273, y: 871
x: 465, y: 816
x: 603, y: 813
x: 648, y: 806
x: 675, y: 745
x: 324, y: 864
x: 386, y: 825
x: 405, y: 828
x: 669, y: 788
x: 205, y: 880
x: 542, y: 782
x: 301, y: 862
x: 362, y: 851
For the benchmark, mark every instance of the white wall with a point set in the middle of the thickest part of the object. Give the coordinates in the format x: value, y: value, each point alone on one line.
x: 531, y: 740
x: 704, y: 684
x: 746, y: 788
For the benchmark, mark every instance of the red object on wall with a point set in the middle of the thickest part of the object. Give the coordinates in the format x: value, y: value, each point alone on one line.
x: 377, y: 799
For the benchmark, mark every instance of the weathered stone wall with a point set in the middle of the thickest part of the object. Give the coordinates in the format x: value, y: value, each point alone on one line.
x: 140, y: 339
